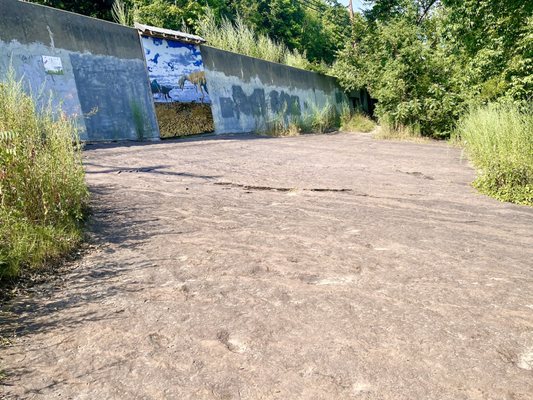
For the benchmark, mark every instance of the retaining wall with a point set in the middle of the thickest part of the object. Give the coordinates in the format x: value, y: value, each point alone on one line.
x: 246, y: 93
x: 94, y: 68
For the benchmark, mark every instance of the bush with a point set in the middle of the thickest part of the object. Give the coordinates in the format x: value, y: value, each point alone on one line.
x: 499, y: 140
x: 42, y: 186
x: 411, y: 80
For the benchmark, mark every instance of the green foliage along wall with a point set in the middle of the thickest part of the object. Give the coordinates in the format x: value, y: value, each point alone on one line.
x: 427, y: 62
x: 317, y: 29
x: 453, y: 67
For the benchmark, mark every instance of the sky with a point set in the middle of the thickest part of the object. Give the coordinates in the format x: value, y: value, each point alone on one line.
x: 357, y: 4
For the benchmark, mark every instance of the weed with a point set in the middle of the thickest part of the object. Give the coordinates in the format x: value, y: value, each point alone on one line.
x: 388, y: 132
x: 355, y: 121
x: 138, y: 120
x: 121, y: 13
x: 322, y: 120
x: 319, y: 120
x: 42, y: 185
x: 499, y: 140
x: 282, y: 126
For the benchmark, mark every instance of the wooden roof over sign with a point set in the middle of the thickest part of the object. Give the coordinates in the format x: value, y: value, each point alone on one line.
x: 153, y: 31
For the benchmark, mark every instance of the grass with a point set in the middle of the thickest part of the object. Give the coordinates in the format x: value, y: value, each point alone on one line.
x: 322, y: 119
x: 387, y: 132
x: 42, y: 186
x: 319, y: 120
x: 121, y: 13
x: 240, y: 38
x: 279, y: 126
x: 355, y: 121
x: 499, y: 141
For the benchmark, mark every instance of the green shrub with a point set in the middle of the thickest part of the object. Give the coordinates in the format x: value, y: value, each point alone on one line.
x: 42, y: 186
x: 403, y: 68
x: 499, y: 140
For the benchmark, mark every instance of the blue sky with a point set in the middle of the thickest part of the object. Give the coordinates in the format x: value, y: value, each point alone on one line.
x: 357, y: 4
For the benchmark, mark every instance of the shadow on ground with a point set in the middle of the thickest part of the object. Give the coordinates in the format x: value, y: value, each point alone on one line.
x: 109, y: 229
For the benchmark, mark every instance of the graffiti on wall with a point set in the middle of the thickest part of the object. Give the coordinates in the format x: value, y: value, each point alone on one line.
x: 256, y: 103
x: 176, y: 71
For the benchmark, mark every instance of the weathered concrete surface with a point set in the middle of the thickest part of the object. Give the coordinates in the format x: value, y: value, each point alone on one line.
x: 212, y: 280
x: 104, y: 83
x: 248, y: 94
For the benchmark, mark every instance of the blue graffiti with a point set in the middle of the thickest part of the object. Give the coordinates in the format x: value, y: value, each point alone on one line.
x: 157, y: 41
x: 175, y: 44
x: 154, y: 60
x: 196, y: 52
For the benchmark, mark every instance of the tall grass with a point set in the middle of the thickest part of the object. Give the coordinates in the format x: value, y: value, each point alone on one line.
x: 499, y: 140
x: 280, y: 126
x: 318, y: 120
x: 355, y: 121
x: 240, y: 38
x: 121, y: 13
x: 42, y: 186
x: 322, y: 119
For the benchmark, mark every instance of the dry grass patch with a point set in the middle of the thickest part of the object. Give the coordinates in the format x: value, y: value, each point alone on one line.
x: 386, y: 132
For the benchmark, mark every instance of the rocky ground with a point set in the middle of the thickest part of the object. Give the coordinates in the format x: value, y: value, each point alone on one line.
x: 313, y: 267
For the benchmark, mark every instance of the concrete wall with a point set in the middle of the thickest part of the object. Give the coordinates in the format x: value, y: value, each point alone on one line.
x: 246, y: 93
x: 102, y: 81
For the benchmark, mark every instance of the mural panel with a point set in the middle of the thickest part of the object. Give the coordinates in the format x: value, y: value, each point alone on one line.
x: 176, y: 71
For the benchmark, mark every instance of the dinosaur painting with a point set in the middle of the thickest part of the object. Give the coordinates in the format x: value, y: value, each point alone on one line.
x: 161, y: 89
x: 197, y: 78
x: 176, y: 71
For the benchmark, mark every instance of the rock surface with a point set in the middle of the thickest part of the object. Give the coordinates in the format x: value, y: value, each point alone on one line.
x: 313, y: 267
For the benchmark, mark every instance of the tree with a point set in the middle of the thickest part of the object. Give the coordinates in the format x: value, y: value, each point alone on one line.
x: 97, y: 9
x: 415, y: 10
x: 427, y: 61
x: 492, y: 39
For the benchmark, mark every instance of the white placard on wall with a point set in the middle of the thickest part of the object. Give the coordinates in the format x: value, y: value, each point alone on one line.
x: 53, y: 65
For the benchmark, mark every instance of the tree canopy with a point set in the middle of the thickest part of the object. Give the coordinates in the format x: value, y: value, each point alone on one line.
x: 427, y: 61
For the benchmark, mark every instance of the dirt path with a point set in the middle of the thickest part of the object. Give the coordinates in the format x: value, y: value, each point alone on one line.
x: 315, y: 267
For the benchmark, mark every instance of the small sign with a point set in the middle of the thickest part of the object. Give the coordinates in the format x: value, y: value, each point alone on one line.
x: 53, y: 65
